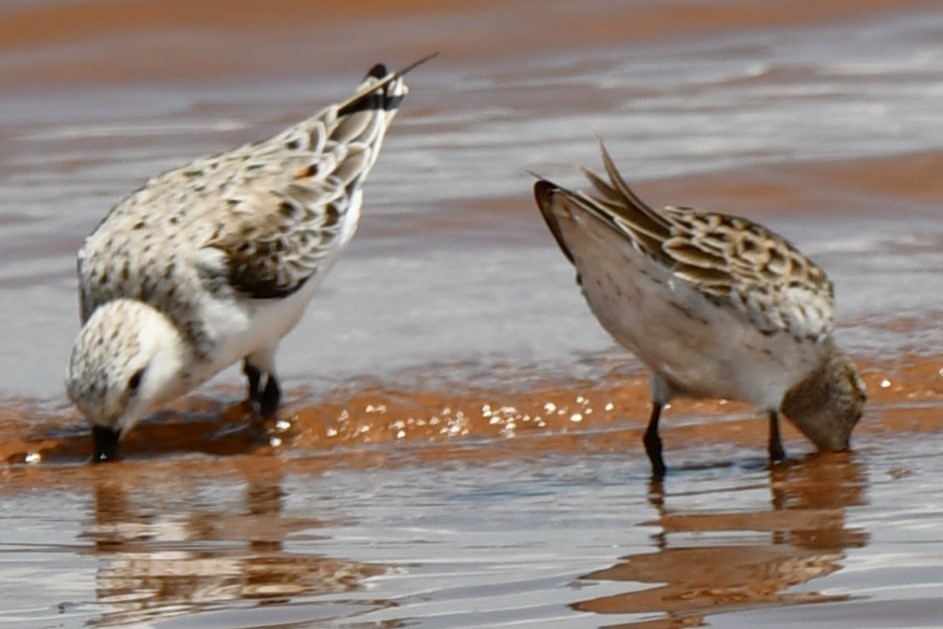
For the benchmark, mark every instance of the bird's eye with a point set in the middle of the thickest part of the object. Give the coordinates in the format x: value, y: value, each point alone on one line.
x: 135, y: 381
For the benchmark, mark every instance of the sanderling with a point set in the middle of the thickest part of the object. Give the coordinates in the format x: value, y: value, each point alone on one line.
x: 715, y: 305
x: 215, y: 261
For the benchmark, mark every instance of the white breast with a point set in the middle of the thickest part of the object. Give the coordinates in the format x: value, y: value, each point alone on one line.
x: 700, y: 348
x: 246, y: 326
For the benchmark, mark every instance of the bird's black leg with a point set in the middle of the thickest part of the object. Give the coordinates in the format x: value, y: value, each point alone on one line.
x: 653, y: 442
x: 254, y: 375
x: 776, y: 452
x: 271, y: 395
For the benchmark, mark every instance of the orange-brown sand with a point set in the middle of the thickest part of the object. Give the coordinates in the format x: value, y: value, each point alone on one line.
x: 375, y: 426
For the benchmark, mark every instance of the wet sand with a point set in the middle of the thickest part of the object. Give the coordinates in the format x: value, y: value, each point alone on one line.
x: 346, y: 522
x: 461, y: 443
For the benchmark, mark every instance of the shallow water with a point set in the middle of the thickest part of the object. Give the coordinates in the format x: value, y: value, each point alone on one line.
x: 480, y: 535
x: 461, y: 445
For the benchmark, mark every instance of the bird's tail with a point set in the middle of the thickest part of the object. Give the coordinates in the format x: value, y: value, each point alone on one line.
x: 343, y: 140
x: 381, y: 90
x: 354, y: 128
x: 618, y: 199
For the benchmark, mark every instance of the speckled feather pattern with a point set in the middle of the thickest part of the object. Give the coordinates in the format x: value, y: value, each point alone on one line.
x: 214, y: 262
x: 715, y: 305
x: 275, y: 210
x: 732, y: 261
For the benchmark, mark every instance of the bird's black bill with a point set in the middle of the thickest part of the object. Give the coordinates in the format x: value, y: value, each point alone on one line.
x: 106, y: 444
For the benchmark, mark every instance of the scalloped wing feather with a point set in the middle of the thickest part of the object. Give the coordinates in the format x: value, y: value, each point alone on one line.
x: 238, y: 203
x: 731, y: 260
x: 288, y: 205
x: 276, y: 241
x: 759, y: 272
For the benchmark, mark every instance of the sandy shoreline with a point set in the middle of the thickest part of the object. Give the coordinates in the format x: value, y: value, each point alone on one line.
x: 579, y: 417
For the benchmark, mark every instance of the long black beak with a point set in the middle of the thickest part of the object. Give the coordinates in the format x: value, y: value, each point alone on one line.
x: 106, y: 443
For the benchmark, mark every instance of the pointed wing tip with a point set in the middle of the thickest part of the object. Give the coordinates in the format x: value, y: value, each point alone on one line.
x: 543, y: 192
x: 378, y: 71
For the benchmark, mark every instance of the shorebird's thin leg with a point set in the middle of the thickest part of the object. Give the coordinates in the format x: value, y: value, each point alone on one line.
x: 653, y: 442
x: 254, y: 375
x: 271, y: 395
x: 776, y: 452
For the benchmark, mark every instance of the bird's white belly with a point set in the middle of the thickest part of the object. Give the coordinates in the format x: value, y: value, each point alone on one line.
x: 701, y: 349
x: 244, y: 327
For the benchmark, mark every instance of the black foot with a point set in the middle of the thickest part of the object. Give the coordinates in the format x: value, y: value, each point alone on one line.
x: 254, y: 375
x: 106, y: 442
x: 271, y: 396
x: 653, y: 443
x: 653, y: 449
x: 776, y: 452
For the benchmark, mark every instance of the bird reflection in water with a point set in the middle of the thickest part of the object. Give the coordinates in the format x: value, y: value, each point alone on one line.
x: 716, y: 561
x: 166, y: 552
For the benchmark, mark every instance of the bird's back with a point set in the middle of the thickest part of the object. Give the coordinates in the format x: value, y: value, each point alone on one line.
x: 273, y: 213
x: 715, y: 304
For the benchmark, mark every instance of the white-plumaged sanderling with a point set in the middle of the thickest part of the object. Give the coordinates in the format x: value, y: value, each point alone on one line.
x: 214, y: 262
x: 714, y: 305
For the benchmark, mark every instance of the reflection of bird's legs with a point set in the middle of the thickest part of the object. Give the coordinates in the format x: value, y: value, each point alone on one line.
x: 112, y: 509
x: 264, y: 502
x: 656, y: 498
x: 780, y: 477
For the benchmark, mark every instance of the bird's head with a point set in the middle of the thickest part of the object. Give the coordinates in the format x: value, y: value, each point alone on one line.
x: 827, y: 405
x: 126, y: 360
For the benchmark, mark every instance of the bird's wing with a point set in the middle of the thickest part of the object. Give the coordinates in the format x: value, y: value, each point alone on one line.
x: 730, y: 260
x: 286, y: 206
x: 760, y: 273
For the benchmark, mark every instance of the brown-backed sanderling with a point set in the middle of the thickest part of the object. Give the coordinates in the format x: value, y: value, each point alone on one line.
x: 715, y: 305
x: 215, y: 261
